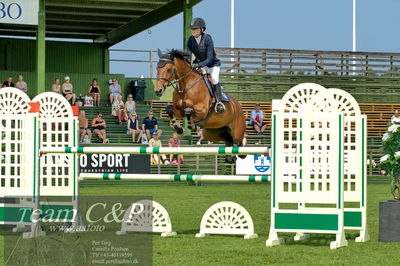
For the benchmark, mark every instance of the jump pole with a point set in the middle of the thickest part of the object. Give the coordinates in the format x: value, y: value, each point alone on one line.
x: 160, y: 150
x: 195, y: 178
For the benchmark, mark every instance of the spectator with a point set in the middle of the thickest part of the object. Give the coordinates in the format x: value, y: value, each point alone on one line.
x: 84, y: 127
x: 256, y: 120
x: 56, y: 87
x: 149, y: 125
x: 99, y: 127
x: 21, y: 84
x: 155, y: 142
x: 130, y: 106
x: 9, y: 82
x: 175, y: 143
x: 68, y: 91
x: 118, y: 109
x: 114, y: 90
x: 133, y: 126
x: 94, y: 90
x: 396, y: 117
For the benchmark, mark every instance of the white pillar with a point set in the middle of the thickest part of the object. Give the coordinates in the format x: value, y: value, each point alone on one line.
x: 354, y: 33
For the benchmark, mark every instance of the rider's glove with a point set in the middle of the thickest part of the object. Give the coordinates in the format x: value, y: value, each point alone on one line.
x: 195, y: 65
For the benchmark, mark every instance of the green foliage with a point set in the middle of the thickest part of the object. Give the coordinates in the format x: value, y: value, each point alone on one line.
x: 390, y: 162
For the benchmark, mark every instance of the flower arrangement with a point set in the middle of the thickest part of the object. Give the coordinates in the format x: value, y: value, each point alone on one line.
x: 390, y: 162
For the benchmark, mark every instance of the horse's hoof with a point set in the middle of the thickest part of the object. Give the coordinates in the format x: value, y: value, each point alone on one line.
x: 189, y: 111
x: 230, y: 159
x: 242, y: 156
x: 179, y: 130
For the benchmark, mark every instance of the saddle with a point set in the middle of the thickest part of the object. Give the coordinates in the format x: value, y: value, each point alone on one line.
x: 207, y: 77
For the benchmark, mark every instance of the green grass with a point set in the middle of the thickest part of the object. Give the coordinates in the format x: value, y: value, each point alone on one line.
x: 186, y: 205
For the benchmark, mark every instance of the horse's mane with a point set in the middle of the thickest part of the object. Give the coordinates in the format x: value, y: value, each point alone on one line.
x: 184, y: 55
x: 171, y: 54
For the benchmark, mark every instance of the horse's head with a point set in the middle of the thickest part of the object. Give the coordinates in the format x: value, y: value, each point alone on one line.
x: 167, y: 71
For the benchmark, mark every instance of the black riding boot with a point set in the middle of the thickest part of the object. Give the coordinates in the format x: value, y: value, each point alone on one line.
x: 219, y: 106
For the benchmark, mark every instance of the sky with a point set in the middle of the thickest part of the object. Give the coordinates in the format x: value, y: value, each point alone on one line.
x: 283, y: 24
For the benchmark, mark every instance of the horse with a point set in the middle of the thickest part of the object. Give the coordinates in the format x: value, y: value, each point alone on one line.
x: 191, y: 99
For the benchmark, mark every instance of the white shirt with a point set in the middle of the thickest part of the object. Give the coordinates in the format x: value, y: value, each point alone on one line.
x: 256, y: 113
x: 198, y: 39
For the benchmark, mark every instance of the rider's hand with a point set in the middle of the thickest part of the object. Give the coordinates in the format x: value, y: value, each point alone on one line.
x: 195, y: 65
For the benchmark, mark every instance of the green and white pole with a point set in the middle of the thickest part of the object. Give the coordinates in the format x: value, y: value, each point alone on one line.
x: 177, y: 178
x: 160, y: 150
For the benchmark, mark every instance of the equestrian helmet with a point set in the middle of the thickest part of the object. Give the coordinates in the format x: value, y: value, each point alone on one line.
x: 198, y: 23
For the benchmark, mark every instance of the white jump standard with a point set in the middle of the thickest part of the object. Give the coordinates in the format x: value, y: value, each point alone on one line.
x: 318, y: 165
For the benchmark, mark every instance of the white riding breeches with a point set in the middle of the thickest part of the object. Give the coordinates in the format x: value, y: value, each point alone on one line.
x: 214, y: 72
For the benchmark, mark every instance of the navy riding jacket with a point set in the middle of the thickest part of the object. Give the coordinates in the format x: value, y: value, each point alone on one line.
x: 204, y: 51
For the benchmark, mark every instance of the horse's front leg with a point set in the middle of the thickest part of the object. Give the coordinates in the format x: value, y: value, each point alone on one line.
x: 175, y: 114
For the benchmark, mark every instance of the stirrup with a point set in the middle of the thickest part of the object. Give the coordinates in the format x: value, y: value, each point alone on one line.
x: 219, y: 107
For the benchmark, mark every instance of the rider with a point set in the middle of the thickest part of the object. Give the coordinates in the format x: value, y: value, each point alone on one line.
x: 202, y: 46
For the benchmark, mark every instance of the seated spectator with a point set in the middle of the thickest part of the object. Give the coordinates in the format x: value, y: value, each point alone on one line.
x: 56, y: 87
x: 396, y: 117
x: 68, y: 91
x: 118, y: 109
x: 155, y: 142
x: 133, y: 126
x: 84, y: 127
x: 21, y: 84
x: 256, y: 120
x: 130, y: 105
x: 176, y: 143
x: 114, y: 90
x: 94, y: 91
x: 8, y: 83
x: 99, y: 128
x: 149, y: 125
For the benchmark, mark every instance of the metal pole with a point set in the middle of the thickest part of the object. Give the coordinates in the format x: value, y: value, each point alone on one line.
x: 232, y: 24
x: 160, y: 150
x: 232, y: 29
x: 151, y: 64
x: 354, y: 34
x: 164, y: 177
x: 41, y: 49
x: 216, y: 164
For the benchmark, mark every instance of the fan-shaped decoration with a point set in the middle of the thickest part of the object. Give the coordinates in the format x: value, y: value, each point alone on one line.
x: 343, y: 101
x: 53, y: 105
x: 227, y: 218
x: 299, y: 96
x: 147, y: 216
x: 13, y: 102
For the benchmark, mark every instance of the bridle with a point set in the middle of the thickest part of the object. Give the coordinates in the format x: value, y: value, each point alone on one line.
x: 175, y: 79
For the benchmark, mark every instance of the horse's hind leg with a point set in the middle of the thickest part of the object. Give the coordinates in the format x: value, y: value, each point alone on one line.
x: 238, y: 138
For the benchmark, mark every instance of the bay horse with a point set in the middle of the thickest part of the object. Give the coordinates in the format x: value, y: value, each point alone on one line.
x: 191, y: 99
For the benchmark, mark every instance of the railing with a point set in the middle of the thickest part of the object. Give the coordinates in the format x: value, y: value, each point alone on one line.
x: 239, y: 61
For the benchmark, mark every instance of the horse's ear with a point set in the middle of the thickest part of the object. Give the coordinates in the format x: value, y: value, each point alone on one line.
x: 160, y: 54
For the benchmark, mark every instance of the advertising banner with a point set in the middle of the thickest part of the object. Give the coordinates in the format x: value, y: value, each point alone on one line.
x: 19, y: 12
x: 114, y: 163
x: 254, y: 165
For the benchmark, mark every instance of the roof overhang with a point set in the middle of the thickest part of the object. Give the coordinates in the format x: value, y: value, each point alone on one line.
x: 109, y: 21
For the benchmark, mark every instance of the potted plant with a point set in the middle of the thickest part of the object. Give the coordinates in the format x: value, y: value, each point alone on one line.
x: 390, y: 162
x: 389, y: 211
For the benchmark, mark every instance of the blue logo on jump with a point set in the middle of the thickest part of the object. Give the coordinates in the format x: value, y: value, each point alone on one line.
x: 262, y: 163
